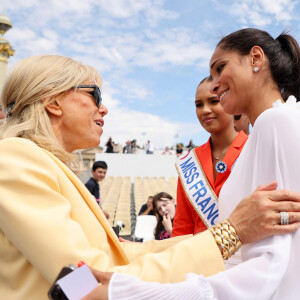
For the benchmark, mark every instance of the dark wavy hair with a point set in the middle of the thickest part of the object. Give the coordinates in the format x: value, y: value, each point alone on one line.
x: 283, y: 54
x: 206, y: 79
x: 159, y: 225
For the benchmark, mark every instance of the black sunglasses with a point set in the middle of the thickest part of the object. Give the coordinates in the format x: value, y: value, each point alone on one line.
x: 237, y: 117
x: 96, y: 93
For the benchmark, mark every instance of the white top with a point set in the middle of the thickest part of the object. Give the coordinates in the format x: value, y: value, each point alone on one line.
x: 127, y: 287
x: 150, y: 147
x: 270, y: 267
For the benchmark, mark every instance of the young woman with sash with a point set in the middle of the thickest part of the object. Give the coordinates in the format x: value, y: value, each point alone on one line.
x: 204, y: 170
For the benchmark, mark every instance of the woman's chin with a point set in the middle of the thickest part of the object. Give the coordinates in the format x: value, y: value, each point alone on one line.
x: 230, y: 110
x: 92, y: 144
x: 96, y: 144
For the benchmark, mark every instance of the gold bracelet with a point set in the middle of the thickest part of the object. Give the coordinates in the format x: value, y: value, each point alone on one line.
x: 226, y: 237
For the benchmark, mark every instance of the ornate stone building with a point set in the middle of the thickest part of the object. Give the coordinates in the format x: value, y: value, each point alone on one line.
x: 6, y: 50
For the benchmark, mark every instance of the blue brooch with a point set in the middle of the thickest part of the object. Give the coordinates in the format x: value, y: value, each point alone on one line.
x: 221, y: 167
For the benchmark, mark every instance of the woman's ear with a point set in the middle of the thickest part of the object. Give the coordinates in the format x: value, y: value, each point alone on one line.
x: 174, y: 201
x: 257, y: 57
x: 54, y: 108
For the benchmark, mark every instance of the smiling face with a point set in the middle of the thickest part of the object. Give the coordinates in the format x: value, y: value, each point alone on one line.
x: 166, y: 207
x: 99, y: 174
x: 209, y: 110
x: 232, y: 80
x: 76, y: 119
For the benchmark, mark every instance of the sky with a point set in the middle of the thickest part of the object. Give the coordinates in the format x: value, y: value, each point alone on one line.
x: 151, y: 54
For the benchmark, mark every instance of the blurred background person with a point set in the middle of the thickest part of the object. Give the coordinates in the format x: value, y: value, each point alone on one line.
x: 190, y: 145
x: 128, y: 149
x: 167, y: 151
x: 109, y: 146
x: 179, y: 150
x: 99, y: 170
x: 147, y: 208
x: 149, y: 148
x: 164, y: 207
x: 134, y: 146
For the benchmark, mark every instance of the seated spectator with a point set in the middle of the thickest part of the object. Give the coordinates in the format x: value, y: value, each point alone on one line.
x: 128, y: 148
x: 241, y: 122
x: 149, y: 148
x: 110, y: 146
x: 147, y: 208
x: 167, y: 152
x: 134, y: 146
x: 179, y: 150
x: 191, y: 145
x: 164, y: 207
x: 99, y: 170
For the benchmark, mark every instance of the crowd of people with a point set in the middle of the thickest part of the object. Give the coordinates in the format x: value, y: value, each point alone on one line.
x: 234, y: 193
x: 132, y: 147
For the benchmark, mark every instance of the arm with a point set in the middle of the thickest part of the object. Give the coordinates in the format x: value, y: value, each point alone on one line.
x: 146, y: 211
x: 37, y: 217
x: 172, y: 263
x: 195, y: 288
x: 263, y: 222
x: 46, y: 204
x: 183, y: 221
x: 267, y: 264
x: 264, y: 201
x: 167, y: 223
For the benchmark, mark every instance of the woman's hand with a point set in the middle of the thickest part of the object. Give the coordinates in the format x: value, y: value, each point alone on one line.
x: 258, y: 216
x: 101, y: 291
x: 167, y: 222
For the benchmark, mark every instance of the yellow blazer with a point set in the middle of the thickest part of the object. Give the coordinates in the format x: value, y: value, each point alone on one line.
x: 48, y: 219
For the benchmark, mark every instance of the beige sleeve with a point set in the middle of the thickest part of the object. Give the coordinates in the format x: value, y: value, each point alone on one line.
x: 40, y: 223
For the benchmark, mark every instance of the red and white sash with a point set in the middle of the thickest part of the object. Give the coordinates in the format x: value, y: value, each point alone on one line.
x: 197, y: 188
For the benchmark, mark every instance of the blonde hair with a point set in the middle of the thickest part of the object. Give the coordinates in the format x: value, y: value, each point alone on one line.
x: 32, y: 84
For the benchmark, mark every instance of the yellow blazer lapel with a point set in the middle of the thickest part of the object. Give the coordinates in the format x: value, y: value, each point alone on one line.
x: 92, y: 204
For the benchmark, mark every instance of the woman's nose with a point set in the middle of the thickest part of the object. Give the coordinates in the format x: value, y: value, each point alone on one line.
x: 206, y: 109
x: 214, y: 87
x: 103, y: 110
